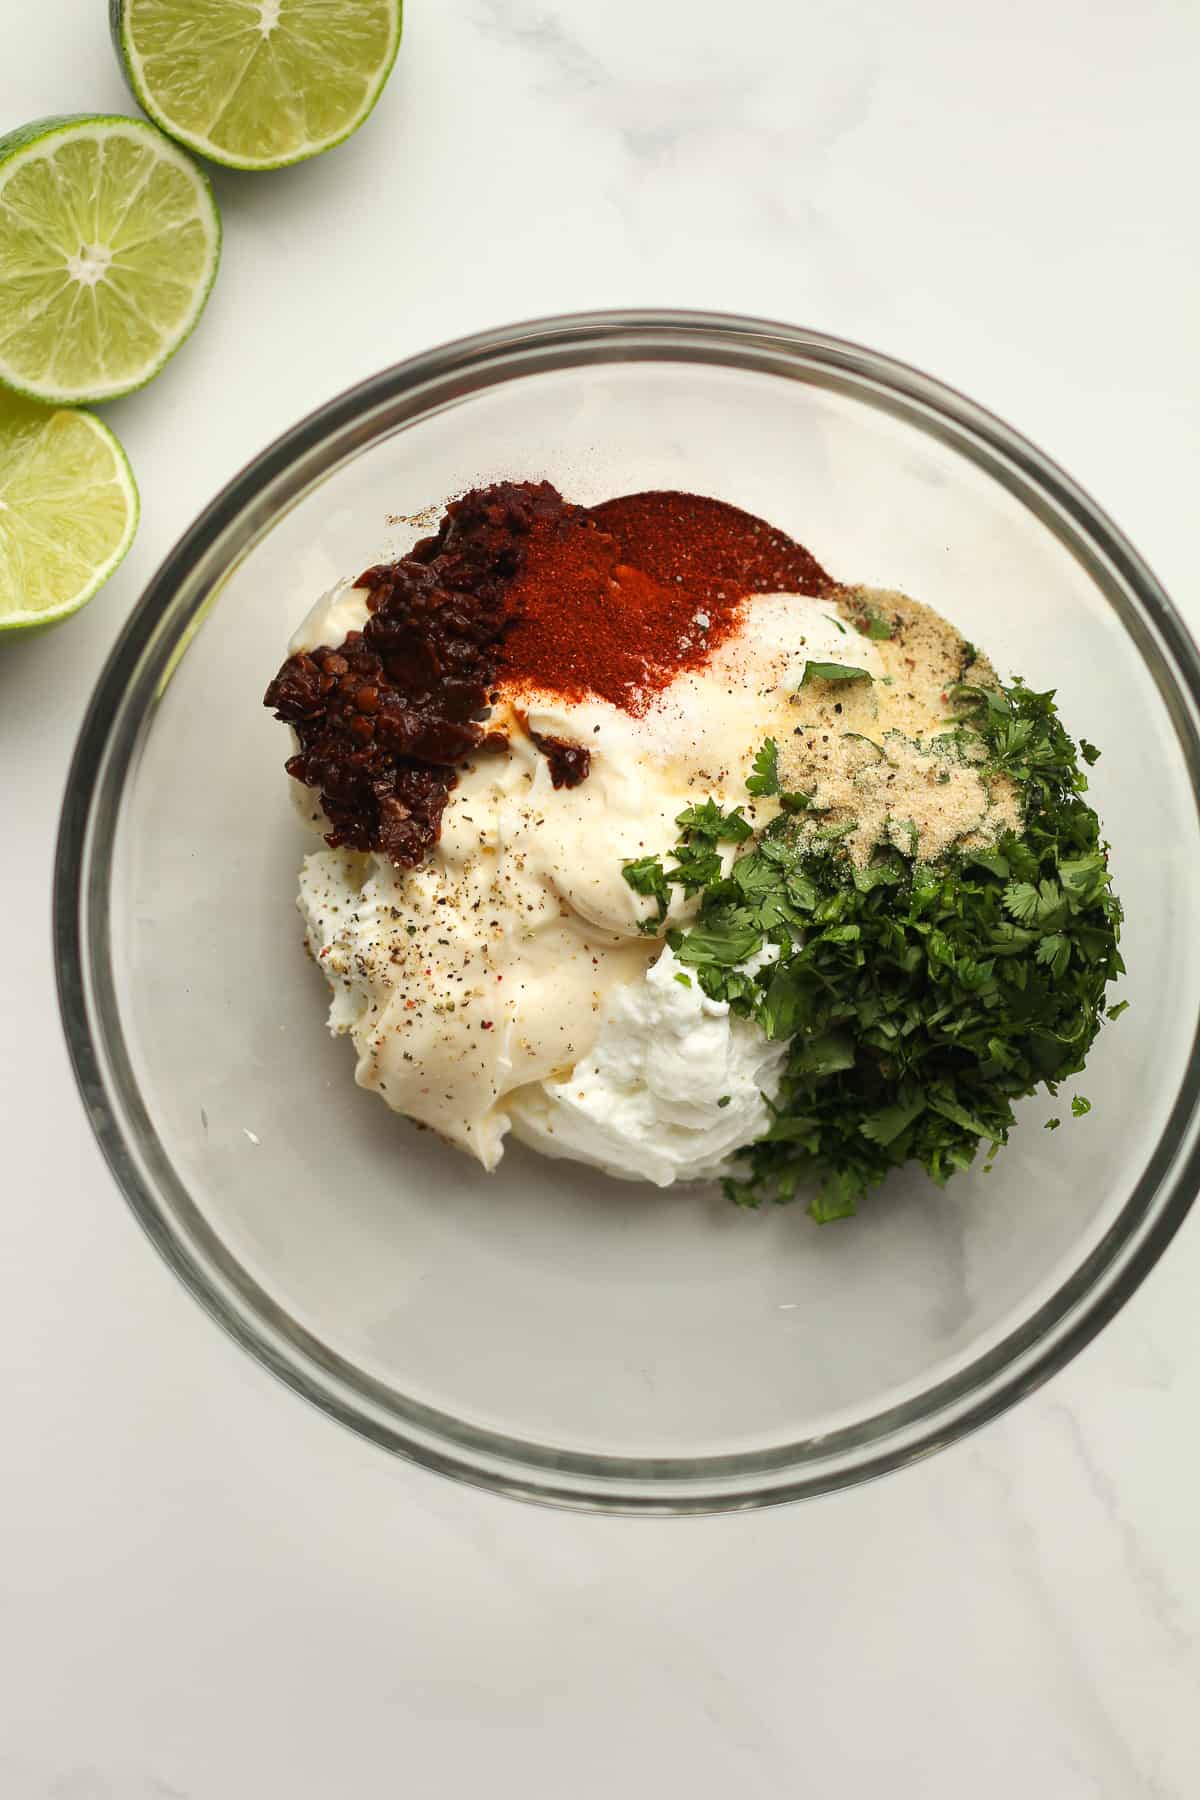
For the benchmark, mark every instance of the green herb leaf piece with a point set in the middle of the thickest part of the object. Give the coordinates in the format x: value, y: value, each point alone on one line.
x: 707, y: 821
x: 827, y: 671
x: 764, y: 778
x: 647, y: 876
x: 696, y: 865
x: 723, y: 947
x: 836, y: 1198
x: 885, y: 1126
x: 861, y: 737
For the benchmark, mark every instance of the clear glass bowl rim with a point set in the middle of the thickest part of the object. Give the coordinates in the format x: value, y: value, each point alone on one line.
x: 155, y: 638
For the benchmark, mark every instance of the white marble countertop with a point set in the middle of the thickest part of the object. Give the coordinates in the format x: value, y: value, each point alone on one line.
x: 208, y: 1591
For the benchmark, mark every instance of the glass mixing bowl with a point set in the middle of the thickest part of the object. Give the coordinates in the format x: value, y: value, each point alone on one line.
x: 546, y: 1331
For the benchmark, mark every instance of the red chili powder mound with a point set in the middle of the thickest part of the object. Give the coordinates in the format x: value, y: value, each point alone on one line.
x: 607, y: 597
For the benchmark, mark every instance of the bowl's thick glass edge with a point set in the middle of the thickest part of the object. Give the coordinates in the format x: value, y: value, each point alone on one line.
x: 176, y: 598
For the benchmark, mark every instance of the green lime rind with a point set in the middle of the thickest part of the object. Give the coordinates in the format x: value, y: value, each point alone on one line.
x: 217, y: 69
x: 115, y: 178
x: 68, y: 511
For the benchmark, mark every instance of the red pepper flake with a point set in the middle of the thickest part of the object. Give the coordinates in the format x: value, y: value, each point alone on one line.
x: 485, y: 1024
x: 569, y: 763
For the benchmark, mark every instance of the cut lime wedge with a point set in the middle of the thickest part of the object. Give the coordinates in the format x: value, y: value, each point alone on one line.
x: 109, y: 239
x: 68, y: 511
x: 257, y: 84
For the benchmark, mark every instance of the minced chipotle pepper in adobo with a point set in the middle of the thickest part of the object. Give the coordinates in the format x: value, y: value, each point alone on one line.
x: 517, y: 588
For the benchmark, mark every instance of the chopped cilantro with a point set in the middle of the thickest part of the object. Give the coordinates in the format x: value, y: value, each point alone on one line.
x: 1089, y: 752
x: 1052, y: 1125
x: 835, y: 1199
x: 647, y: 876
x: 697, y: 862
x: 826, y: 671
x: 1079, y: 1106
x: 725, y: 1099
x: 877, y: 626
x: 696, y: 865
x: 862, y: 738
x: 682, y: 979
x: 918, y: 1002
x: 1114, y: 1012
x: 708, y: 822
x: 765, y: 776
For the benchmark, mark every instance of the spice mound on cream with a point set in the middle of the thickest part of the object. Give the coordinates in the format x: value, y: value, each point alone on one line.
x: 504, y: 980
x: 519, y: 590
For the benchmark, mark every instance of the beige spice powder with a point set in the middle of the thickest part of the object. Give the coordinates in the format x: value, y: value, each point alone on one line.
x: 887, y: 759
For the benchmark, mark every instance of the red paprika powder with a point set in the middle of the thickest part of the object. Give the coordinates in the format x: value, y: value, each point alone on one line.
x: 607, y: 598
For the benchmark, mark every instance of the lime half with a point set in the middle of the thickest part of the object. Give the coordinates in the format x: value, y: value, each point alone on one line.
x: 257, y: 84
x: 68, y: 511
x: 109, y: 239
